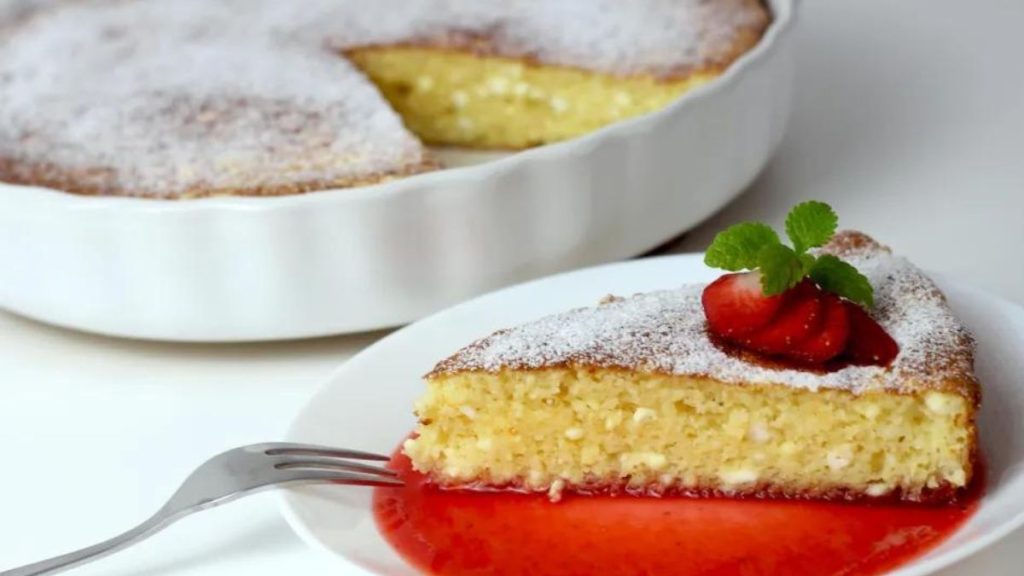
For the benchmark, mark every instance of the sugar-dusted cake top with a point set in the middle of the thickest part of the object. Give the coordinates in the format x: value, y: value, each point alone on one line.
x: 660, y: 37
x: 189, y: 97
x: 665, y: 332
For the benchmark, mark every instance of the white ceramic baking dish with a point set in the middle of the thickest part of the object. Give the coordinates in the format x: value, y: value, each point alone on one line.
x: 231, y: 269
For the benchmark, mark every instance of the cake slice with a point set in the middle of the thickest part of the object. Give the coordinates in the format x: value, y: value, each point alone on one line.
x: 635, y: 395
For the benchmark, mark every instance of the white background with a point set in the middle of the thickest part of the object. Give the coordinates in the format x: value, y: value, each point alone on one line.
x: 909, y: 119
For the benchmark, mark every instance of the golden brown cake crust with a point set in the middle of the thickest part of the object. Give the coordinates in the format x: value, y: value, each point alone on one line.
x: 944, y: 493
x: 664, y: 332
x: 103, y: 181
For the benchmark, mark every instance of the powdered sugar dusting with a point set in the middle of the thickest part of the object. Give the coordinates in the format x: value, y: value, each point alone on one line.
x: 176, y: 97
x: 181, y: 97
x: 653, y: 36
x: 665, y: 332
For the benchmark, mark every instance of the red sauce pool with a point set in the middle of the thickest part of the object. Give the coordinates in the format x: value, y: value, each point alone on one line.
x: 466, y: 533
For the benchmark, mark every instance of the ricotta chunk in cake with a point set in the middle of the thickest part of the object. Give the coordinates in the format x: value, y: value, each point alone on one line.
x: 632, y: 395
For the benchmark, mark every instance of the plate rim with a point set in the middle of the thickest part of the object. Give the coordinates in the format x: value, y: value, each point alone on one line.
x: 921, y: 567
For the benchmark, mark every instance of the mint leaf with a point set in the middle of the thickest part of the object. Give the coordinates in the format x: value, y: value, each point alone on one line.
x: 839, y: 277
x: 781, y: 268
x: 810, y: 224
x: 737, y: 247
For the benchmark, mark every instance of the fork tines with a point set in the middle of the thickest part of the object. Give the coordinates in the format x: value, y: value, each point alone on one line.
x: 309, y: 461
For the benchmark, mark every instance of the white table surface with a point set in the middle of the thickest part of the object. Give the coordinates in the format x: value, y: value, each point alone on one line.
x: 909, y: 119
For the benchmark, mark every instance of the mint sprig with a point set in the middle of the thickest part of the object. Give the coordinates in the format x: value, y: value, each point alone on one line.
x: 839, y: 277
x: 781, y: 268
x: 752, y: 245
x: 738, y: 247
x: 810, y: 224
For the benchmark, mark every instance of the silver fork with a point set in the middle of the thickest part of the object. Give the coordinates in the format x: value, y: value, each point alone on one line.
x: 228, y: 476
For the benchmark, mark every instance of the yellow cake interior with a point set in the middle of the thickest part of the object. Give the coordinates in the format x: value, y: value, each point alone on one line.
x: 462, y: 99
x: 550, y: 428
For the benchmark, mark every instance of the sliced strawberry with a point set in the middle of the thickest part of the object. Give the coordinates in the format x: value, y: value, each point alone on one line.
x: 869, y: 344
x: 734, y: 305
x: 832, y: 337
x: 799, y: 318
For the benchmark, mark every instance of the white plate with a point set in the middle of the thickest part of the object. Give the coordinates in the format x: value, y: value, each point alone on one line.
x: 336, y: 261
x: 368, y: 402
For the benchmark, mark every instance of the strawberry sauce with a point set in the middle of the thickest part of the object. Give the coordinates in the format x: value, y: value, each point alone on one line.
x: 469, y: 533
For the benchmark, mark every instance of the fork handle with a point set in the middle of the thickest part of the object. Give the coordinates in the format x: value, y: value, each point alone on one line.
x: 67, y: 561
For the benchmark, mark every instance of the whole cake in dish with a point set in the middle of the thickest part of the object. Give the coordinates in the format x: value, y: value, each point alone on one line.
x: 182, y: 98
x: 802, y: 379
